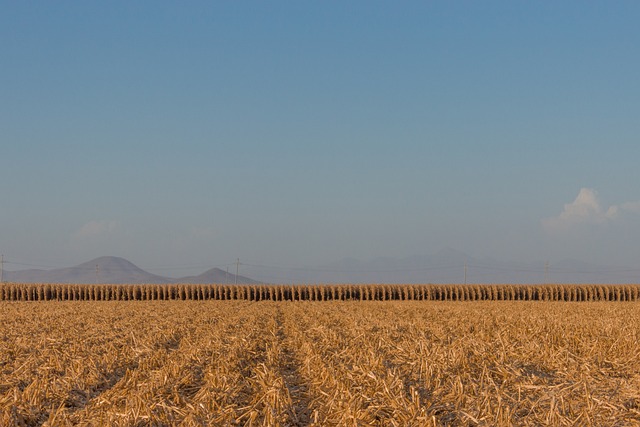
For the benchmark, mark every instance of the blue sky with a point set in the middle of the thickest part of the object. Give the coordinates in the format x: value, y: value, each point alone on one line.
x: 298, y: 133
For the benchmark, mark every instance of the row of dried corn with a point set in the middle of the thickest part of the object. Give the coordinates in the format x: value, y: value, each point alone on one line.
x: 366, y: 292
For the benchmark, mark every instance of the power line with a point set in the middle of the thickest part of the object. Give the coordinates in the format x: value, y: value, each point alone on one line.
x: 189, y: 266
x: 91, y: 268
x: 546, y: 270
x: 30, y: 265
x: 332, y: 270
x: 465, y: 272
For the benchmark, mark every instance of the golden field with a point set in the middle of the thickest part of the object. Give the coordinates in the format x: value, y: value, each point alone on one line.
x: 331, y: 363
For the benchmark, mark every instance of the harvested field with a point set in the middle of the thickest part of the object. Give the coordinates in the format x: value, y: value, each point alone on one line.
x: 339, y: 363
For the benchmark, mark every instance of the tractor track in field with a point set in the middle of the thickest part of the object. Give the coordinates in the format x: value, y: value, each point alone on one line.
x: 290, y: 370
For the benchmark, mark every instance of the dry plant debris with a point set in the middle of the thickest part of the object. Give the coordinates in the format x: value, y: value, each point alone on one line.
x: 241, y: 363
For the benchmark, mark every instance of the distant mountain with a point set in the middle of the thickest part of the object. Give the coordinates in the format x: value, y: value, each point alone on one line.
x: 575, y: 271
x: 106, y: 269
x: 447, y: 266
x: 114, y: 270
x: 216, y: 275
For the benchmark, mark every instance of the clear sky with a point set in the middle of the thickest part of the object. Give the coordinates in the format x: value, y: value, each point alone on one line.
x: 187, y: 134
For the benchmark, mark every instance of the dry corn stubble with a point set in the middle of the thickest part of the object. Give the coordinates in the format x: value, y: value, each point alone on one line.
x: 405, y: 363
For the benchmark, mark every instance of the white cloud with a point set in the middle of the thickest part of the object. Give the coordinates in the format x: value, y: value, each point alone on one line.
x: 632, y: 207
x: 96, y: 228
x: 587, y: 209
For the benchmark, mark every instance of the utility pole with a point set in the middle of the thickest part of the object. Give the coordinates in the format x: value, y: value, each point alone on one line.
x: 97, y: 273
x: 237, y: 268
x: 465, y: 272
x: 1, y: 268
x: 546, y: 272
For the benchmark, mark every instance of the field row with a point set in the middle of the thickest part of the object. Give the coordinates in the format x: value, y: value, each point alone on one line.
x: 68, y: 292
x: 195, y: 363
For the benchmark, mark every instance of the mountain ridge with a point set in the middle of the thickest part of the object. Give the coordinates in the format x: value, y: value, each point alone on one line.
x: 446, y: 266
x: 449, y: 266
x: 115, y: 270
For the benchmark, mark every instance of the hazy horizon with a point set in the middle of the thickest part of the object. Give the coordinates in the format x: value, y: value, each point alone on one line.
x: 299, y: 134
